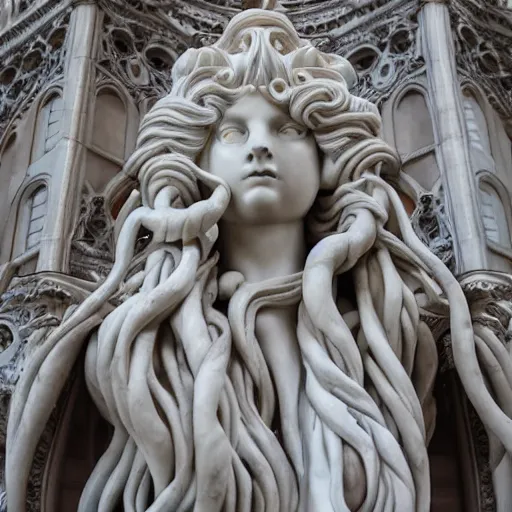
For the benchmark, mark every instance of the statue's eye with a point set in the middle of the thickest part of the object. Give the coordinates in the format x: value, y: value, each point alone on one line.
x: 292, y: 131
x: 232, y: 135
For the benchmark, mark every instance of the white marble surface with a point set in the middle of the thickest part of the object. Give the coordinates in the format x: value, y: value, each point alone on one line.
x: 260, y: 181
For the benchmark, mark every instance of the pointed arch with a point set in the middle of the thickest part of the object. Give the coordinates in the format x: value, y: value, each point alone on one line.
x: 112, y: 134
x: 48, y: 124
x: 496, y: 213
x: 32, y: 210
x: 110, y: 123
x: 414, y: 135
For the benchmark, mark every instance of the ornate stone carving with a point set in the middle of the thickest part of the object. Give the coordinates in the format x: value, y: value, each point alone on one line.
x: 185, y: 366
x: 12, y: 9
x: 382, y: 46
x: 384, y: 50
x: 29, y: 305
x: 489, y: 296
x: 140, y: 58
x: 92, y: 247
x: 481, y: 445
x: 430, y: 222
x: 140, y: 54
x: 27, y: 69
x: 482, y: 48
x: 29, y: 309
x: 444, y: 347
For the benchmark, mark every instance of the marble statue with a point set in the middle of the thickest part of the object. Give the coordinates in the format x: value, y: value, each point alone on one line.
x: 270, y: 354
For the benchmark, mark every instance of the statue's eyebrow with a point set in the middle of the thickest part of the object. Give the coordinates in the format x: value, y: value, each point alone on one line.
x: 282, y: 118
x: 238, y: 118
x: 231, y: 116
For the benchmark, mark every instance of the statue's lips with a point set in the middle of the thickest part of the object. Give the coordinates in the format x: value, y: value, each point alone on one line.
x: 264, y: 173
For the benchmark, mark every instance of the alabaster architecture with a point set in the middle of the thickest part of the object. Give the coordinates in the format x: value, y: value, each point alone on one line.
x: 255, y: 256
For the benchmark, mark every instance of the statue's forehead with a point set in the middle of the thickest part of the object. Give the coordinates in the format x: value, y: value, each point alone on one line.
x: 255, y: 104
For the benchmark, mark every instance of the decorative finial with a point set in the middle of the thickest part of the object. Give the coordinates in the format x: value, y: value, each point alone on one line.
x: 268, y: 5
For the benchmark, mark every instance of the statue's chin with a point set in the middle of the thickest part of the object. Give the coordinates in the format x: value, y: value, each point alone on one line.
x: 264, y: 205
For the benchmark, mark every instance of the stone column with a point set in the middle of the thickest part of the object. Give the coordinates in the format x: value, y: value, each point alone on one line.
x: 67, y: 176
x: 448, y: 117
x: 486, y: 291
x: 489, y: 295
x: 33, y: 306
x: 29, y: 311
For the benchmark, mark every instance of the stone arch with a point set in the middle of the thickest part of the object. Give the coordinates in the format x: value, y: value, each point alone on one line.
x: 112, y: 135
x: 38, y: 205
x: 496, y: 212
x: 32, y: 210
x: 48, y: 124
x: 110, y: 122
x: 478, y: 129
x: 414, y: 135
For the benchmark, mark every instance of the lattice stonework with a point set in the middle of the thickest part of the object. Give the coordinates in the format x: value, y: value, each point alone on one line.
x: 28, y: 68
x: 382, y: 46
x: 482, y: 35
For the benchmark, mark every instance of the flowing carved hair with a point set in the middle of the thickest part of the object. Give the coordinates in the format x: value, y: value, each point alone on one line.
x: 187, y: 387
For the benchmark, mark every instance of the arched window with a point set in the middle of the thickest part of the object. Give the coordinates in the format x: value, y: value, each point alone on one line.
x: 106, y: 151
x: 47, y: 127
x: 494, y: 216
x: 476, y: 124
x: 110, y: 122
x: 36, y: 213
x: 478, y: 134
x: 415, y: 141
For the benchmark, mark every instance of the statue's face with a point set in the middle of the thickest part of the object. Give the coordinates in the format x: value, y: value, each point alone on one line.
x: 270, y: 163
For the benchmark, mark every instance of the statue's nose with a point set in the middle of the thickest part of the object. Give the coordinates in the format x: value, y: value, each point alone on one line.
x: 260, y: 153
